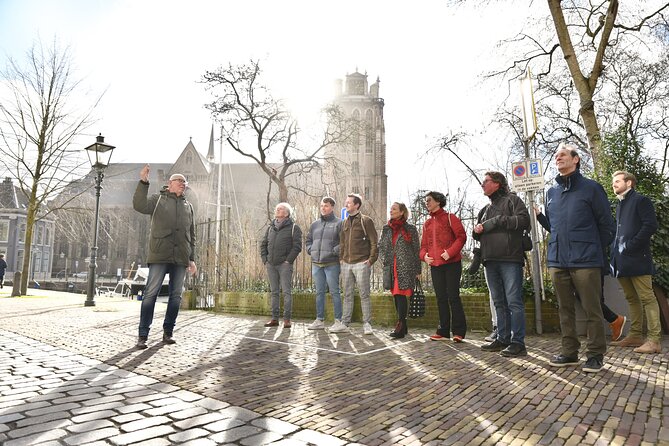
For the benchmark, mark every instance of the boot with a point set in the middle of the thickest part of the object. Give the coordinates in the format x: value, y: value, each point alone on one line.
x: 400, y: 330
x: 396, y: 329
x: 141, y: 342
x: 167, y: 338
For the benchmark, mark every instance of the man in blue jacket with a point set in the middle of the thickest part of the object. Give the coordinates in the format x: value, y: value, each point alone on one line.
x: 579, y: 216
x: 632, y: 264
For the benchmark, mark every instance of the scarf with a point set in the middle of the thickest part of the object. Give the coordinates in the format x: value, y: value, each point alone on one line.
x: 398, y: 226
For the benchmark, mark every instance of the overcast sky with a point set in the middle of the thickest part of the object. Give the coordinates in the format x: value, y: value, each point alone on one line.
x: 149, y: 55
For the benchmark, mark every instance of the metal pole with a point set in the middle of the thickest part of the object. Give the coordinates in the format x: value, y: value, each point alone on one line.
x: 536, y: 272
x: 90, y: 296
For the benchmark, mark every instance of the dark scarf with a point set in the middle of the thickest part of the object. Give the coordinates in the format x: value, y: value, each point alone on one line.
x: 398, y: 226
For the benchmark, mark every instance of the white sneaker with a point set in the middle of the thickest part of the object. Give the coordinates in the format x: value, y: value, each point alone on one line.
x: 367, y: 328
x: 338, y: 327
x: 316, y: 325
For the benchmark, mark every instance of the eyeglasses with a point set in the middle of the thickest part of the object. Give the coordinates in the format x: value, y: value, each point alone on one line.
x: 180, y: 180
x: 486, y: 182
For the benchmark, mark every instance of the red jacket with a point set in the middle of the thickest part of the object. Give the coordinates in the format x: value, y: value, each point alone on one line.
x: 442, y: 231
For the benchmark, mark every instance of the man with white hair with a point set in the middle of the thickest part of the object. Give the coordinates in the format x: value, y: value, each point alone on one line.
x: 279, y: 249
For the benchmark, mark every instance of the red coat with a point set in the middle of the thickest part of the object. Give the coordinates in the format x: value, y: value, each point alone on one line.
x: 442, y: 231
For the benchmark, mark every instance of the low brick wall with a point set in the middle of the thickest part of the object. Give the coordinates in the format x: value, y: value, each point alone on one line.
x: 477, y: 309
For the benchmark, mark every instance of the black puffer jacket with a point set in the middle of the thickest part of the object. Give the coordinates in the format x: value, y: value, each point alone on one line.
x: 503, y: 220
x: 172, y: 228
x: 408, y: 262
x: 282, y: 242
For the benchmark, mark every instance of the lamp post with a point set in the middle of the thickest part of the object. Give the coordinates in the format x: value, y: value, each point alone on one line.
x: 63, y: 256
x: 529, y: 131
x: 99, y: 155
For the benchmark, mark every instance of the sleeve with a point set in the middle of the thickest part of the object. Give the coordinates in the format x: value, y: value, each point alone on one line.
x: 543, y: 221
x: 263, y: 247
x: 296, y: 245
x: 423, y: 243
x: 309, y: 240
x: 415, y: 248
x: 336, y: 242
x: 384, y: 244
x: 603, y: 217
x: 518, y: 217
x: 645, y: 212
x: 192, y: 234
x: 460, y: 237
x: 373, y: 240
x: 140, y: 200
x: 476, y: 236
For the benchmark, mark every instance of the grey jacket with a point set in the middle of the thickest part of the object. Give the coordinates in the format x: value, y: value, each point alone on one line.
x: 323, y: 239
x: 282, y: 242
x: 172, y: 238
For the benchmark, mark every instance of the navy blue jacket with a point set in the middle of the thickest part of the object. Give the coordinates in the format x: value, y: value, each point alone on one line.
x: 581, y: 225
x: 636, y: 222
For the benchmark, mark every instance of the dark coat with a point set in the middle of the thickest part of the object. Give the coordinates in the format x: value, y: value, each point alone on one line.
x: 581, y: 225
x: 408, y: 262
x: 636, y: 223
x: 172, y: 237
x: 504, y: 221
x: 323, y: 239
x: 282, y: 242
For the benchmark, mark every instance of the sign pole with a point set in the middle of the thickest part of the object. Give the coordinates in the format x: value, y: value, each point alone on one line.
x: 529, y: 130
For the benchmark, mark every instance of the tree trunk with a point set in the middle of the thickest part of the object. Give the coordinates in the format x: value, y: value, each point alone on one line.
x: 27, y: 248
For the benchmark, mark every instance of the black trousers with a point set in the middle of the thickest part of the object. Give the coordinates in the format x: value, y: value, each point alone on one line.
x: 446, y: 282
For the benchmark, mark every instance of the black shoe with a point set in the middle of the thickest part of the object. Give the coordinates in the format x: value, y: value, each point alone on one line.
x: 514, y: 350
x: 167, y: 339
x: 494, y: 346
x: 564, y: 361
x: 141, y: 343
x: 593, y: 364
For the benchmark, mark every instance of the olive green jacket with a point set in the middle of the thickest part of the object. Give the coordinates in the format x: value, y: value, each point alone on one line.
x: 172, y: 238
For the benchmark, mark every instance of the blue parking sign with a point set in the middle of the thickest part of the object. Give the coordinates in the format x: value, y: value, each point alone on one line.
x: 534, y: 168
x: 344, y: 213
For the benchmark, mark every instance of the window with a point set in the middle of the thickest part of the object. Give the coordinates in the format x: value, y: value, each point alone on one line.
x: 355, y: 168
x: 22, y: 233
x: 368, y: 193
x: 47, y: 236
x: 45, y: 262
x: 40, y: 235
x: 37, y: 262
x: 4, y: 230
x: 19, y: 260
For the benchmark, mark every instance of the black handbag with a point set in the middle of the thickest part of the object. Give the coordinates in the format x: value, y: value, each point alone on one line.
x: 527, y: 241
x: 417, y: 302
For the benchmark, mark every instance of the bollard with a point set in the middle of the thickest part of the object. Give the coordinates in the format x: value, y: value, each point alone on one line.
x: 16, y: 281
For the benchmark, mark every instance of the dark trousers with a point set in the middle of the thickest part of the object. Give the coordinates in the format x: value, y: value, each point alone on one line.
x: 586, y: 283
x: 401, y: 306
x: 446, y: 282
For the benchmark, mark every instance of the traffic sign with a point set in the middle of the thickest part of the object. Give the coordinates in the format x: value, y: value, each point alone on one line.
x: 527, y: 175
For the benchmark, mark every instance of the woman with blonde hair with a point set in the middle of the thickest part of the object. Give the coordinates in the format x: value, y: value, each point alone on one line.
x: 398, y: 248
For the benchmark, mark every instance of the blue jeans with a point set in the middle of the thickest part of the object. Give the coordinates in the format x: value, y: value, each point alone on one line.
x: 281, y: 279
x: 154, y: 282
x: 505, y: 283
x: 327, y: 275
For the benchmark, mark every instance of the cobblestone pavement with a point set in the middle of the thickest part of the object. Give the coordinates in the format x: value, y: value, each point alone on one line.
x: 69, y: 375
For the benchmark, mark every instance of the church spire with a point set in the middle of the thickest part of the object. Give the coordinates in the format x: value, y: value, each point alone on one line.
x: 210, y: 154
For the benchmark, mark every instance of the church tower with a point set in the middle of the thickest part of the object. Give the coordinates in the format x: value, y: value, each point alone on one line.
x: 360, y: 165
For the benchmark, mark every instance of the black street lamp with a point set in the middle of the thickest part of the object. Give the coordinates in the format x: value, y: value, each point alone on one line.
x: 99, y: 155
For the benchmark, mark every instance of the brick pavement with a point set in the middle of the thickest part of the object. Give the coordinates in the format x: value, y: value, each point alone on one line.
x: 70, y: 375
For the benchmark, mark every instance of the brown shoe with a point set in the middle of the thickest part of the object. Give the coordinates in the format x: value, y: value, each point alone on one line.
x: 286, y: 323
x: 617, y: 327
x: 275, y: 323
x: 629, y: 341
x: 649, y: 347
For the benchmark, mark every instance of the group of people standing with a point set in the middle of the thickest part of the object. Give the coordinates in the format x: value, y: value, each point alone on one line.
x: 347, y: 249
x: 577, y: 215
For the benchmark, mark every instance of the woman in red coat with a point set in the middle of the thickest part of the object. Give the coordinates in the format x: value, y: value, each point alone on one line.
x: 443, y: 239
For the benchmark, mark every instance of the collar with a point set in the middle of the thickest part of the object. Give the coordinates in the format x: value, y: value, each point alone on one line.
x: 437, y: 212
x: 622, y: 196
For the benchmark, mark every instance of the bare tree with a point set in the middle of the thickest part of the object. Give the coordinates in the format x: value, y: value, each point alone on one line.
x: 38, y: 124
x: 586, y: 33
x: 261, y: 128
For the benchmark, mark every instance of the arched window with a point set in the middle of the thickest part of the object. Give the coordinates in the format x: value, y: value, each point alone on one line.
x: 369, y: 131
